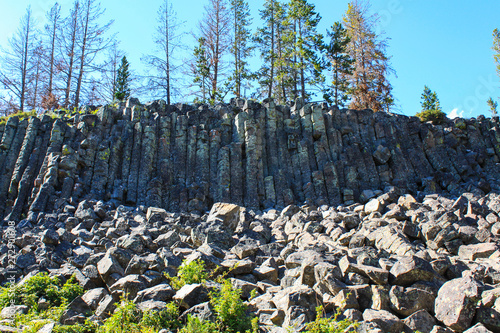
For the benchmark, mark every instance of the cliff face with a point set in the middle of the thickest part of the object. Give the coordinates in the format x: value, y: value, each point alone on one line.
x: 183, y: 158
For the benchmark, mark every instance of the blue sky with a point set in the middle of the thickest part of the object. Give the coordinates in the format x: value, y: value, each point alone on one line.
x: 443, y: 44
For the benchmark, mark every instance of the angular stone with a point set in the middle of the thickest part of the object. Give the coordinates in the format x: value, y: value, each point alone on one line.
x: 408, y: 270
x: 93, y: 297
x: 161, y: 292
x: 407, y: 301
x: 107, y: 266
x: 478, y: 328
x: 456, y: 302
x: 9, y: 312
x: 420, y: 321
x: 191, y: 295
x: 229, y: 215
x: 474, y: 251
x: 128, y: 286
x: 384, y: 320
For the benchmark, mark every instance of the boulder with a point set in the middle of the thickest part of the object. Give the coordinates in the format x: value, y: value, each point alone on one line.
x: 456, y: 302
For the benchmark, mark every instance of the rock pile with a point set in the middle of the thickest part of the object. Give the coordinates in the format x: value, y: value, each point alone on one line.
x: 398, y: 263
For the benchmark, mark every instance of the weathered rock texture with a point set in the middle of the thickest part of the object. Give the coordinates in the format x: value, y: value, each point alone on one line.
x: 185, y: 158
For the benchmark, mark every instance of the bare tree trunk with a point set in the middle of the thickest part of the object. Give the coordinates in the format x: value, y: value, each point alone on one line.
x: 54, y: 15
x: 25, y: 60
x: 82, y: 55
x: 167, y: 50
x: 71, y: 52
x: 271, y: 76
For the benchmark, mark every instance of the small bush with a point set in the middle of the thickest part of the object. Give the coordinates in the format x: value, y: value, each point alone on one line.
x: 436, y: 116
x: 41, y: 285
x: 125, y: 319
x: 195, y: 325
x: 230, y: 309
x: 194, y: 272
x: 330, y: 325
x: 167, y: 318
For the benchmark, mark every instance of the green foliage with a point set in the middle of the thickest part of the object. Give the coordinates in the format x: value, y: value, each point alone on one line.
x: 493, y: 106
x: 167, y: 318
x: 340, y: 64
x: 202, y: 71
x: 330, y: 325
x: 496, y: 48
x: 229, y: 309
x: 121, y: 89
x: 430, y: 100
x: 195, y: 325
x: 41, y: 285
x: 436, y: 116
x: 126, y: 318
x: 88, y: 327
x: 20, y: 114
x: 194, y: 272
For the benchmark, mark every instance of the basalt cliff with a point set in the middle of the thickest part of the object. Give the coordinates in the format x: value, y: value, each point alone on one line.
x: 380, y: 219
x: 185, y: 158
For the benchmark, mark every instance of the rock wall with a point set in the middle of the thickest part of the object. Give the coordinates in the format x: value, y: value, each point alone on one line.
x: 185, y: 158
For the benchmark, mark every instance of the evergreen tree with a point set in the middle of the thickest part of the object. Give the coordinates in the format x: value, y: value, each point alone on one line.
x: 201, y: 71
x: 122, y: 86
x: 493, y: 106
x: 370, y: 88
x: 496, y: 48
x: 306, y: 42
x: 241, y: 50
x: 340, y: 64
x: 430, y: 100
x: 273, y: 41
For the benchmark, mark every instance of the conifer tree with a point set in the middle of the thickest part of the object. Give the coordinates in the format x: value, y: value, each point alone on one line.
x: 306, y: 43
x: 241, y: 50
x: 496, y: 48
x: 122, y: 86
x: 201, y: 71
x: 340, y: 64
x: 370, y: 88
x: 273, y: 41
x: 493, y: 106
x: 430, y: 100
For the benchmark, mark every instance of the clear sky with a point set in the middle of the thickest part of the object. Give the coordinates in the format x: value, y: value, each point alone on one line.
x: 443, y: 44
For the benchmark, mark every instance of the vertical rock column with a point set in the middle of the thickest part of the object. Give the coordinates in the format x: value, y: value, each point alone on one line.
x: 148, y: 149
x: 215, y: 141
x: 135, y: 160
x: 251, y: 172
x: 164, y: 164
x: 10, y: 159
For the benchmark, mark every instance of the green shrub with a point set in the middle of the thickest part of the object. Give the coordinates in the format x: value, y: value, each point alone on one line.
x: 329, y: 325
x: 167, y: 318
x: 41, y: 285
x: 436, y: 116
x: 125, y: 319
x: 194, y: 272
x: 195, y: 325
x: 229, y: 309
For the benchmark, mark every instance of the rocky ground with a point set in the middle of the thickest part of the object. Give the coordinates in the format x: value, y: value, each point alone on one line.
x: 395, y: 264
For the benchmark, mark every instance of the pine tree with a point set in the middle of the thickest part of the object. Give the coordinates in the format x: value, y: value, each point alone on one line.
x: 201, y: 71
x: 430, y: 100
x: 496, y: 48
x: 306, y: 43
x: 122, y: 85
x: 273, y: 41
x: 493, y: 106
x: 340, y: 64
x: 241, y: 50
x: 370, y: 88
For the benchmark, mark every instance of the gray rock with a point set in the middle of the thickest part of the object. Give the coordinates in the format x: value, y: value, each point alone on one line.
x: 50, y: 236
x: 420, y: 321
x: 456, y: 302
x: 93, y: 297
x: 190, y: 295
x: 406, y: 301
x: 9, y: 312
x: 161, y: 292
x: 128, y: 286
x: 408, y: 270
x: 384, y: 320
x: 478, y: 328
